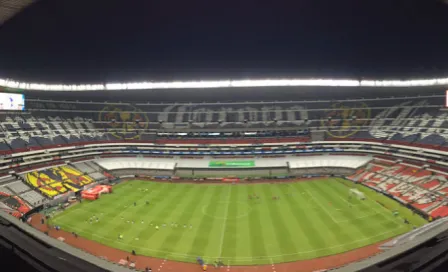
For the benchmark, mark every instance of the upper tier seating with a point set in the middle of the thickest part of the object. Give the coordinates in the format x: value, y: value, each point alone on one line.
x: 408, y: 120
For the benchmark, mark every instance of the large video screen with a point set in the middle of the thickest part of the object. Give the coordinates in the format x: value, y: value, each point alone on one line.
x: 12, y: 101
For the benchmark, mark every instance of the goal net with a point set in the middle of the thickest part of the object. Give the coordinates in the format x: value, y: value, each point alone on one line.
x: 357, y: 194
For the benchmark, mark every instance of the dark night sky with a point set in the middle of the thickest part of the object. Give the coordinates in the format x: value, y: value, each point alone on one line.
x: 112, y: 40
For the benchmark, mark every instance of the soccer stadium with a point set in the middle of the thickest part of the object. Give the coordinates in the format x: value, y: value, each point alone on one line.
x: 262, y: 184
x: 270, y: 175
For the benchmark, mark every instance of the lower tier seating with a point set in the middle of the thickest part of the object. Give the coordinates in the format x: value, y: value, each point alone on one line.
x: 424, y: 189
x: 57, y: 180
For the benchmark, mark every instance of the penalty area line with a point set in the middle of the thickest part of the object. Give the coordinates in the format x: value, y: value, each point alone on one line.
x: 323, y: 207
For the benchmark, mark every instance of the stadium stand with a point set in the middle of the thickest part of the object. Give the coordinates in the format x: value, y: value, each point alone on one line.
x: 33, y: 198
x: 230, y: 129
x: 421, y: 188
x: 84, y: 168
x: 416, y: 120
x: 113, y: 164
x: 57, y: 180
x: 328, y: 161
x: 18, y: 187
x: 102, y: 133
x: 5, y: 190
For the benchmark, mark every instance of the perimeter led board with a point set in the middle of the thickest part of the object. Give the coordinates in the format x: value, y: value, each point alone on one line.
x: 12, y: 102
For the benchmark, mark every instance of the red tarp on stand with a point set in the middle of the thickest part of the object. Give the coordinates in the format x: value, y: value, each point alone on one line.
x: 95, y: 192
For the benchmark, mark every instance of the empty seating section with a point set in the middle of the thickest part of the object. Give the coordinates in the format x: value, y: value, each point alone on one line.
x: 33, y: 198
x: 97, y: 176
x: 408, y: 119
x: 13, y: 205
x: 25, y: 130
x: 424, y: 189
x: 92, y: 169
x: 94, y: 166
x: 441, y: 211
x: 369, y: 175
x: 7, y: 179
x: 10, y: 201
x: 5, y: 190
x: 18, y: 187
x: 57, y: 180
x: 84, y: 168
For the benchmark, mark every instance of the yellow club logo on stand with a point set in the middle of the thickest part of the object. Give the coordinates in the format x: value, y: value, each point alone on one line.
x: 343, y: 121
x: 124, y: 122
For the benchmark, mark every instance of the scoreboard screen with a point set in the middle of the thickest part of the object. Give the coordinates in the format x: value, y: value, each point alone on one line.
x: 12, y: 101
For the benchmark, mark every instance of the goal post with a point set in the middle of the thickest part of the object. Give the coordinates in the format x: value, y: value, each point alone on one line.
x: 356, y: 193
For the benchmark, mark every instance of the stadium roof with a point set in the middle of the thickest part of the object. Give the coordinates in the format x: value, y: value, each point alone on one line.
x: 10, y: 8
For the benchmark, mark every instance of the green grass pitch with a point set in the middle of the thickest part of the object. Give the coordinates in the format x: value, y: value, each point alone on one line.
x: 311, y: 219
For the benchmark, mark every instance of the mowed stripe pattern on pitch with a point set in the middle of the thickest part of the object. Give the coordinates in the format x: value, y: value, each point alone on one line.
x: 310, y: 220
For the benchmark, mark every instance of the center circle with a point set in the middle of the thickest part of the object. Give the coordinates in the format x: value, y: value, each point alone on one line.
x: 224, y: 210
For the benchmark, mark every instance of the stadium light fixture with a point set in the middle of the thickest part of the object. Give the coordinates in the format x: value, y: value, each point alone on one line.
x: 8, y: 83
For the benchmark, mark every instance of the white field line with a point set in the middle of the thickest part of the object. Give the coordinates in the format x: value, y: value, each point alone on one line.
x: 377, y: 212
x: 359, y: 217
x: 224, y: 225
x: 349, y: 203
x: 242, y: 258
x: 249, y: 259
x: 323, y: 207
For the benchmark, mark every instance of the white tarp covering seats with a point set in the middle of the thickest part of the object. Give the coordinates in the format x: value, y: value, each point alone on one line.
x: 352, y: 162
x: 135, y: 163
